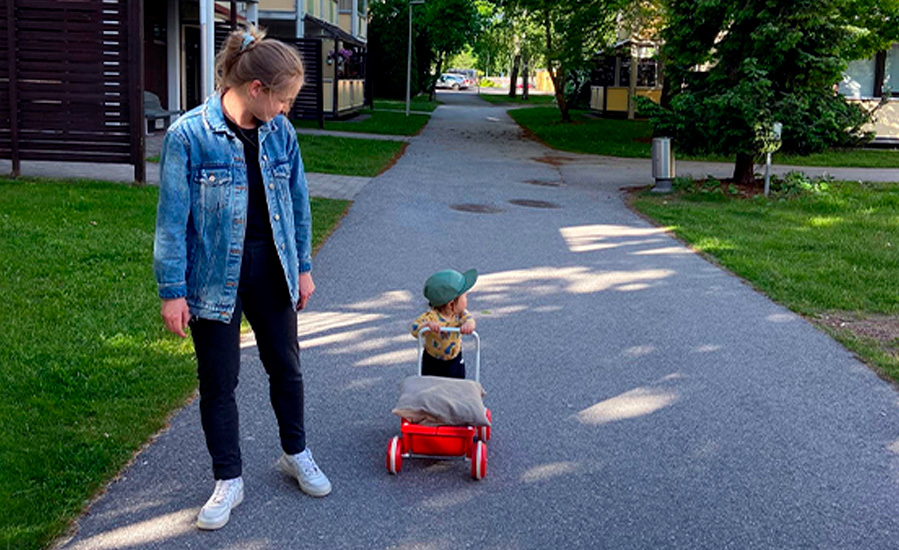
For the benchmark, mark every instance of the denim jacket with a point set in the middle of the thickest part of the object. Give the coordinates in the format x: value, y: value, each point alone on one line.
x: 202, y: 212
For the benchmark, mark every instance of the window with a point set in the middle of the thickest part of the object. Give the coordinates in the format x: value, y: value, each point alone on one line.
x: 871, y: 78
x: 858, y: 80
x: 891, y: 71
x: 646, y: 73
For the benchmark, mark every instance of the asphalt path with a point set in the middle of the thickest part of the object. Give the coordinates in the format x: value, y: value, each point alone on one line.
x: 641, y: 397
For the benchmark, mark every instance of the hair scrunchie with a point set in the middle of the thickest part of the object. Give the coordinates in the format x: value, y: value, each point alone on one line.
x: 247, y: 40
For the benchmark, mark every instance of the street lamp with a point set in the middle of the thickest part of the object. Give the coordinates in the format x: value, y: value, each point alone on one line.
x: 409, y: 58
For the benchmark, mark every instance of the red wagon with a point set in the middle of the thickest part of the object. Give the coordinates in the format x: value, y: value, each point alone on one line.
x: 442, y: 442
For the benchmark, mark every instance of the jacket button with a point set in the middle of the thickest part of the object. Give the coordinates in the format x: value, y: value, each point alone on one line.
x: 264, y: 157
x: 211, y: 178
x: 271, y: 186
x: 282, y: 246
x: 277, y: 217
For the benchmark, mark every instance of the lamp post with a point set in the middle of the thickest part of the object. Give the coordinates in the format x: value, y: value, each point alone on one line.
x: 409, y: 58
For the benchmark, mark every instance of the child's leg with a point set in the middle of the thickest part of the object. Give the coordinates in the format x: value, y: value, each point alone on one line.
x: 453, y: 368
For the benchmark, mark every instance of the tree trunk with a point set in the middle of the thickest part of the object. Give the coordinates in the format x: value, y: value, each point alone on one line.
x: 744, y: 173
x: 513, y: 75
x: 525, y: 78
x: 557, y: 75
x: 432, y: 96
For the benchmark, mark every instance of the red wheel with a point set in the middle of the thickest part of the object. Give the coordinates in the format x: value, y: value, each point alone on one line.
x: 479, y: 460
x: 394, y: 455
x: 484, y: 431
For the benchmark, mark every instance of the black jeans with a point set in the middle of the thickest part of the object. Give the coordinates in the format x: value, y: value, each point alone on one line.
x: 263, y: 296
x: 448, y: 368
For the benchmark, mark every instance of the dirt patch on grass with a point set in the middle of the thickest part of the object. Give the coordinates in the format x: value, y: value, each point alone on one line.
x: 884, y: 329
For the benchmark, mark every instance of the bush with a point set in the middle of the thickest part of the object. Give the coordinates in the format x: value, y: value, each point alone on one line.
x: 795, y: 183
x: 486, y: 83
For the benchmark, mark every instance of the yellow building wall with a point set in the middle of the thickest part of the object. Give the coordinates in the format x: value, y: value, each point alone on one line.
x: 617, y: 97
x: 886, y: 120
x: 313, y: 8
x: 346, y: 22
x: 277, y: 5
x: 328, y: 95
x: 543, y: 82
x: 654, y: 94
x: 350, y: 94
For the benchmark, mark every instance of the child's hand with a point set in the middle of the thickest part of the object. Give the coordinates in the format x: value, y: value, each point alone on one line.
x: 467, y: 328
x: 434, y: 326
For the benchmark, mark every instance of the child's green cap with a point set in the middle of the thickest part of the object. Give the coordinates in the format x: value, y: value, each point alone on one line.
x: 445, y: 286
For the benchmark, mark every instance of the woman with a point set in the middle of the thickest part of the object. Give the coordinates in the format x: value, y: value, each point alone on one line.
x: 233, y: 237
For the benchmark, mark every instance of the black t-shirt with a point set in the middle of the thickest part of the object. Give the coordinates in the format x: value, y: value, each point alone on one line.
x: 259, y: 228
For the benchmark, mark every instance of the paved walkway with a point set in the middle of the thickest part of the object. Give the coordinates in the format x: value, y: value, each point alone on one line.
x: 641, y: 396
x: 331, y: 186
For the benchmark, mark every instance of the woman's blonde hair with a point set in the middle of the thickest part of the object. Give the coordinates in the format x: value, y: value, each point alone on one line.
x: 246, y: 56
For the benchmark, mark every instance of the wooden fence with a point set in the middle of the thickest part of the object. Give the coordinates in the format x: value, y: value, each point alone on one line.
x: 71, y: 82
x: 310, y: 101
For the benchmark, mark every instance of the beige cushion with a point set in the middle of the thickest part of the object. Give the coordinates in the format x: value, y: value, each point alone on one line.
x: 435, y: 400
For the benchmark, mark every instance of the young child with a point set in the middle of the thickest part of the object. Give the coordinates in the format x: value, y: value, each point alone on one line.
x: 446, y: 292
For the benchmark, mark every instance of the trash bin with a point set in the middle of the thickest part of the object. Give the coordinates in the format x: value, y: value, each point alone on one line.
x: 662, y: 164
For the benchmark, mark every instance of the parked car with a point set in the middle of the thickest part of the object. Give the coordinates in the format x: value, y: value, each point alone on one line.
x: 452, y: 82
x: 470, y: 75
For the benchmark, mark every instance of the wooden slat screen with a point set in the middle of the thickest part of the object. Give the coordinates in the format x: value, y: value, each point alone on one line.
x: 310, y: 102
x: 78, y: 80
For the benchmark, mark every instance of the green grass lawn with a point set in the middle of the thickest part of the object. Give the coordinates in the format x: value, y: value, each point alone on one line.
x: 826, y: 256
x: 585, y: 134
x: 344, y: 156
x: 374, y: 122
x: 633, y: 138
x: 87, y: 371
x: 348, y: 156
x: 504, y: 99
x: 417, y: 103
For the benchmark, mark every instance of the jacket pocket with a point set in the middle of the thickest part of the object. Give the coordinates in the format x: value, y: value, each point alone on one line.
x: 214, y: 188
x: 280, y: 175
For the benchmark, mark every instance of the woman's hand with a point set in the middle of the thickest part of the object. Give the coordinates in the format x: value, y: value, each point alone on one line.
x: 307, y: 288
x: 176, y: 315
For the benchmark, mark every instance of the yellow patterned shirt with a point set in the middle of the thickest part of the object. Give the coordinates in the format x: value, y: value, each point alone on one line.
x: 444, y: 347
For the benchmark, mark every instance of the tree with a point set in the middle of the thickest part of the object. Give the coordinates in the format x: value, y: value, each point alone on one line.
x: 451, y: 25
x: 734, y: 67
x: 572, y: 32
x: 388, y: 35
x: 440, y: 28
x: 643, y: 21
x: 491, y: 46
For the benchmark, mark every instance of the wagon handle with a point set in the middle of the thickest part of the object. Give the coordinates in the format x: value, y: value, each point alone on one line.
x: 477, y: 349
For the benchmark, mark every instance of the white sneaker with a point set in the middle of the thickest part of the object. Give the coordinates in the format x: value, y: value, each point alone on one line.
x: 217, y: 510
x: 303, y: 467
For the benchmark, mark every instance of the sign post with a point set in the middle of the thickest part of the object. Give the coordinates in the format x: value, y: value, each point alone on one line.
x: 776, y: 131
